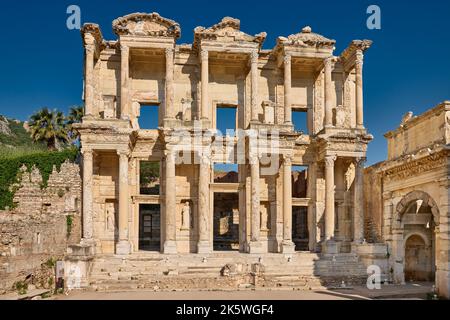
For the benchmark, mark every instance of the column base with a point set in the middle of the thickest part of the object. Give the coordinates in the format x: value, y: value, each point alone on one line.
x: 255, y: 247
x: 123, y: 248
x: 287, y: 247
x: 170, y: 247
x: 204, y: 247
x: 331, y: 247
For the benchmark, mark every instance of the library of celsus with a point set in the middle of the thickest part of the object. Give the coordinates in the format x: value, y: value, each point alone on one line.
x: 222, y: 163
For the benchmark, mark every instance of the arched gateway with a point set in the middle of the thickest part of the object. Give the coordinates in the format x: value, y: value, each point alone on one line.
x: 417, y: 217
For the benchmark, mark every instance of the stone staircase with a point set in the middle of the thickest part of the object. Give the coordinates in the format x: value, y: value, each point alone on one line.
x: 224, y: 271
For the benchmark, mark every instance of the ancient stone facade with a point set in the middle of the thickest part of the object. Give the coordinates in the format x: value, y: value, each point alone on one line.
x: 224, y: 67
x: 407, y: 197
x: 44, y: 223
x: 293, y: 207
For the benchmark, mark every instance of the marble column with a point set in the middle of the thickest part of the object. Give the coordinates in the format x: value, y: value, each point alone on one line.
x: 255, y: 241
x: 287, y: 89
x: 89, y: 80
x: 205, y: 83
x: 170, y: 110
x: 88, y: 228
x: 204, y: 243
x: 358, y: 215
x: 254, y: 80
x: 328, y: 92
x: 124, y: 81
x: 170, y: 245
x: 359, y: 90
x: 287, y: 244
x: 329, y: 197
x: 123, y: 247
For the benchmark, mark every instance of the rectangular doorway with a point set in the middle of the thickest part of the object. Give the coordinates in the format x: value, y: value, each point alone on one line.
x: 226, y: 221
x: 300, y: 235
x: 149, y: 227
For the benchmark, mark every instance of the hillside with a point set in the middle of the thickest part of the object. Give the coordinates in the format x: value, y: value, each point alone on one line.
x: 15, y: 138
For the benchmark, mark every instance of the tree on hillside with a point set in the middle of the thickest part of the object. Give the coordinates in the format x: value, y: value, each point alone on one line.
x: 49, y: 127
x: 75, y: 116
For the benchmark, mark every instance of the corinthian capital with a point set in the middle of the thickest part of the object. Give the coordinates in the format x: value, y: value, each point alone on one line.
x: 169, y: 53
x: 204, y: 54
x: 287, y: 59
x: 87, y: 153
x: 90, y: 49
x: 329, y: 160
x: 124, y: 49
x: 360, y: 162
x: 328, y: 62
x: 287, y: 159
x: 254, y: 57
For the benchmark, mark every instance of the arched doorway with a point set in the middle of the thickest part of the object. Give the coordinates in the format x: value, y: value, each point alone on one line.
x: 417, y: 219
x: 418, y: 259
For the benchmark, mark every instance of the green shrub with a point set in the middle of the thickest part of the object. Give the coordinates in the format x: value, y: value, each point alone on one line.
x: 69, y: 222
x: 21, y: 287
x: 44, y: 161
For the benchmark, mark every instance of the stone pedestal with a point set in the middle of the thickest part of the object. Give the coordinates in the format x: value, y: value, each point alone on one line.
x: 204, y: 247
x: 170, y: 247
x: 331, y: 247
x: 123, y: 247
x: 287, y: 247
x: 255, y: 247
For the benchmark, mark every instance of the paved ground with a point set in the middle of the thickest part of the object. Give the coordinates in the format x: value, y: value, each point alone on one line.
x: 204, y: 295
x: 409, y: 291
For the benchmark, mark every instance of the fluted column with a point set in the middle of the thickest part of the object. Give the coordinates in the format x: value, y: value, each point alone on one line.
x: 124, y: 81
x: 123, y: 246
x: 169, y: 112
x: 205, y: 83
x: 287, y: 245
x: 204, y: 227
x: 328, y: 92
x: 358, y: 217
x: 287, y: 89
x: 254, y: 80
x: 329, y: 197
x: 359, y: 90
x: 255, y: 244
x: 89, y: 80
x: 87, y: 195
x: 170, y: 246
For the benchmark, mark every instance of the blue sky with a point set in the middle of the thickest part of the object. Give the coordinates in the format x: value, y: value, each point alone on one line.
x: 407, y: 69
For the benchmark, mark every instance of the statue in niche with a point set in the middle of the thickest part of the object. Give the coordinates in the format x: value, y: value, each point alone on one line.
x: 340, y: 116
x: 186, y: 216
x: 349, y: 176
x: 110, y: 217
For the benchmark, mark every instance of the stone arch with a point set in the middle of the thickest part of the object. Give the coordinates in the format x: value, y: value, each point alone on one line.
x: 413, y: 196
x: 424, y: 237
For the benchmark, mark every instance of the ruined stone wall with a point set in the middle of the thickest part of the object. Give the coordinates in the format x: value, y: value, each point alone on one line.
x: 37, y: 232
x: 373, y: 204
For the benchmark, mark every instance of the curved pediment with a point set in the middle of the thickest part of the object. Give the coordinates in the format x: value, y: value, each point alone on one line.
x: 307, y: 38
x: 146, y: 24
x: 227, y: 30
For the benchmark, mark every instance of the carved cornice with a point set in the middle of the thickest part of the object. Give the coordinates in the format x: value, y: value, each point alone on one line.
x: 355, y: 47
x: 416, y: 167
x: 227, y: 28
x: 146, y: 24
x: 93, y: 38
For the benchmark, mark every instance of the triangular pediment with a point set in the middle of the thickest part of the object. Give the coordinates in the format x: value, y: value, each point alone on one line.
x: 146, y: 24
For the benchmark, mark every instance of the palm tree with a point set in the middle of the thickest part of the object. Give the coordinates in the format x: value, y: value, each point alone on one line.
x: 49, y: 127
x: 75, y: 116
